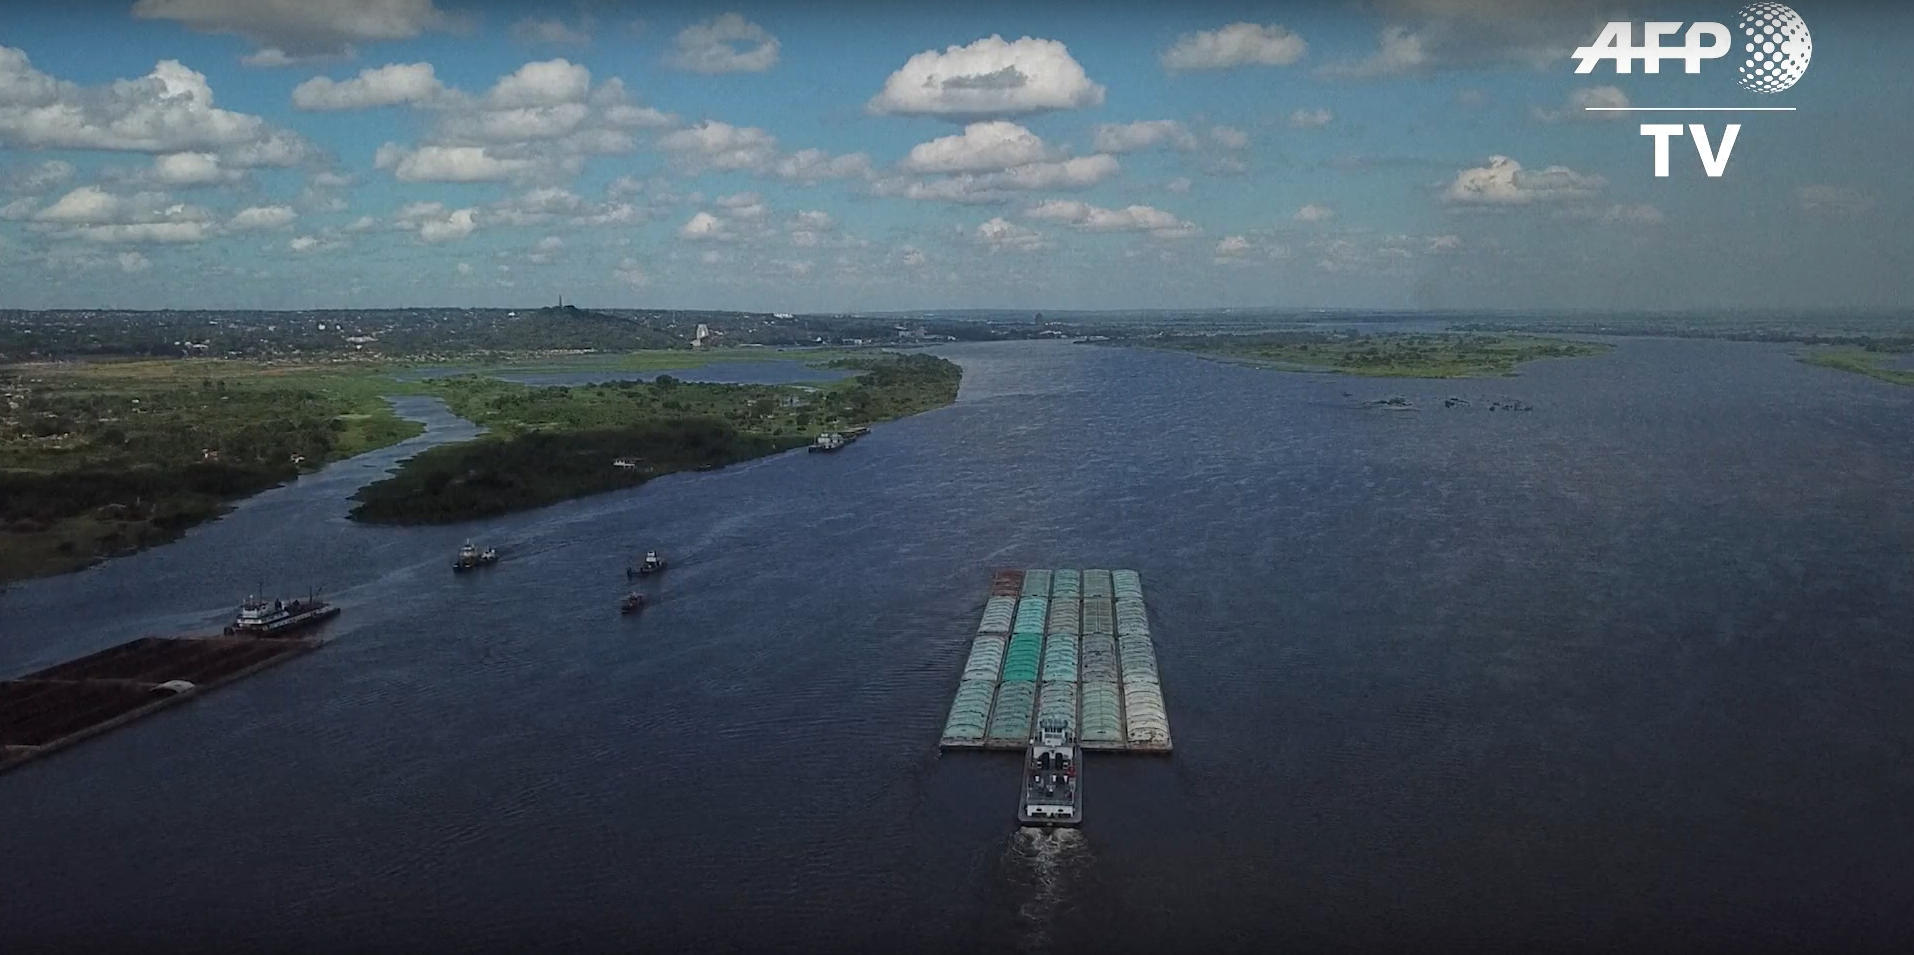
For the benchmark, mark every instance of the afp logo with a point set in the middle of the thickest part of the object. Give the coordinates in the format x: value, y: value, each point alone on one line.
x: 1774, y: 47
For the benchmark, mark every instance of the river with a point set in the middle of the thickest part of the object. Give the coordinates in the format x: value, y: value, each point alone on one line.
x: 1627, y: 671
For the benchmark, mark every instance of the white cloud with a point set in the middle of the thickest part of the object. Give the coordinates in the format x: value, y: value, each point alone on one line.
x: 1000, y: 234
x: 449, y: 164
x: 1178, y: 185
x: 1135, y: 218
x: 1079, y: 173
x: 1400, y: 52
x: 1239, y: 44
x: 1082, y: 172
x: 1503, y: 182
x: 1229, y: 137
x: 542, y: 83
x: 387, y: 85
x: 552, y: 205
x: 291, y: 29
x: 311, y: 243
x: 38, y: 179
x: 90, y: 212
x: 631, y: 272
x: 813, y: 165
x: 1309, y: 119
x: 715, y: 145
x: 546, y: 250
x: 191, y: 169
x: 1440, y: 244
x: 991, y: 78
x: 1143, y: 134
x: 1579, y: 101
x: 1833, y: 200
x: 1315, y: 213
x: 1232, y: 246
x: 134, y: 262
x: 745, y: 206
x: 464, y: 268
x: 912, y: 257
x: 981, y: 147
x: 435, y: 223
x: 262, y: 217
x: 704, y: 227
x: 169, y: 110
x: 553, y: 31
x: 814, y: 220
x: 725, y: 44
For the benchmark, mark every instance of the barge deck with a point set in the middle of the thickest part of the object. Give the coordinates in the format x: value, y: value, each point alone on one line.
x: 1071, y: 642
x: 51, y: 709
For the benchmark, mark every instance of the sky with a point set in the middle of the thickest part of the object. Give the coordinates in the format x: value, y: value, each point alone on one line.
x: 863, y: 156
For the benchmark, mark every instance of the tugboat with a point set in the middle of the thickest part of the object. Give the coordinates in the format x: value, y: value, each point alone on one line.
x: 261, y: 619
x: 650, y: 565
x: 1052, y: 793
x: 829, y: 441
x: 471, y: 557
x: 632, y: 603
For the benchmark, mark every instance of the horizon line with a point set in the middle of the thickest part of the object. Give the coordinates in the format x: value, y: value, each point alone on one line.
x: 1690, y: 109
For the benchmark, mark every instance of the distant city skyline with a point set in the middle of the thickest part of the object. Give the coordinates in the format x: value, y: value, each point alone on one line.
x: 1385, y: 154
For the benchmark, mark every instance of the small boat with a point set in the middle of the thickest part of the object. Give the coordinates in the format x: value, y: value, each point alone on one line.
x: 829, y: 441
x: 471, y: 557
x: 258, y: 618
x: 650, y: 565
x: 632, y: 603
x: 1052, y: 792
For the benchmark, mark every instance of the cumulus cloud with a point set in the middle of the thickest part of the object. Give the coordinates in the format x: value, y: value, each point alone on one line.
x: 1229, y: 137
x: 555, y: 206
x: 1143, y: 134
x: 1069, y: 174
x: 434, y: 223
x: 724, y: 44
x: 169, y: 110
x: 715, y: 145
x: 131, y: 262
x: 1179, y: 185
x: 1315, y: 213
x: 1605, y: 101
x: 553, y: 31
x: 1232, y: 246
x: 449, y: 164
x: 305, y: 244
x: 1000, y: 234
x: 1400, y: 52
x: 262, y: 217
x: 1833, y: 200
x: 1239, y: 44
x: 992, y: 78
x: 191, y: 169
x: 912, y: 257
x: 1136, y: 218
x: 387, y: 85
x: 631, y: 272
x: 704, y: 227
x: 287, y: 30
x: 814, y: 165
x: 1503, y: 182
x: 1309, y: 119
x: 37, y: 179
x: 90, y: 212
x: 1244, y: 250
x: 981, y: 147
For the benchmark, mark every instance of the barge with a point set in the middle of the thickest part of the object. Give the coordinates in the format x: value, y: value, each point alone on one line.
x: 51, y: 709
x: 1070, y: 643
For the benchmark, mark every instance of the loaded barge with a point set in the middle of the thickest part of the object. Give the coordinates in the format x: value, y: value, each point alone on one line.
x: 54, y: 708
x: 1069, y: 643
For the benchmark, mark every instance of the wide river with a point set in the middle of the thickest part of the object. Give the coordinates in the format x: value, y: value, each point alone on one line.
x: 1627, y: 671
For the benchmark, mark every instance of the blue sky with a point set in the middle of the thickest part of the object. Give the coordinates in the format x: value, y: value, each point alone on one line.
x: 862, y: 156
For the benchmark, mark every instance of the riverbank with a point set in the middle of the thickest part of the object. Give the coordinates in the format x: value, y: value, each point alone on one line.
x: 1871, y: 364
x: 555, y: 443
x: 1382, y: 355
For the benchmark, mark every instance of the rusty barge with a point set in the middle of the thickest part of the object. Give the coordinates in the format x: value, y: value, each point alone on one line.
x: 51, y: 709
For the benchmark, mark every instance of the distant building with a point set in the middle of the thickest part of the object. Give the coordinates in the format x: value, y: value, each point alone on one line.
x: 698, y: 337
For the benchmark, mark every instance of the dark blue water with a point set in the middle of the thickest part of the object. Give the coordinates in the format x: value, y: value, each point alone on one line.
x: 1625, y: 672
x: 770, y: 371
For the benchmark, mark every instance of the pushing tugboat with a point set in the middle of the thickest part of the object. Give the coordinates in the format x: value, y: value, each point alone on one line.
x: 261, y: 619
x: 837, y: 440
x: 650, y: 565
x: 632, y: 603
x: 1052, y: 793
x: 471, y: 557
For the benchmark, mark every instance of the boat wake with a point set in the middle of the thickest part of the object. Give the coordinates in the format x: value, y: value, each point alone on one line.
x: 1045, y: 858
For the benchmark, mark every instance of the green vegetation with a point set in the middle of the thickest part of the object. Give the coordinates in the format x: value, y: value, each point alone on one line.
x: 98, y: 460
x: 1862, y: 363
x: 1383, y: 355
x: 549, y: 444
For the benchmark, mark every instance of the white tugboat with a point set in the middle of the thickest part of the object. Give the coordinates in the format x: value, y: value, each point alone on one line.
x: 1052, y: 791
x: 470, y: 557
x: 650, y: 565
x: 261, y: 619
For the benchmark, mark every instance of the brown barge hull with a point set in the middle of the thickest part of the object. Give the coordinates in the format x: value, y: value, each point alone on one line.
x: 49, y: 710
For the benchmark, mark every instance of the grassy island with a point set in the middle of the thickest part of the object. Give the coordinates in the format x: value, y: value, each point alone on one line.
x: 1382, y: 355
x: 105, y: 459
x: 549, y: 444
x: 1861, y: 363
